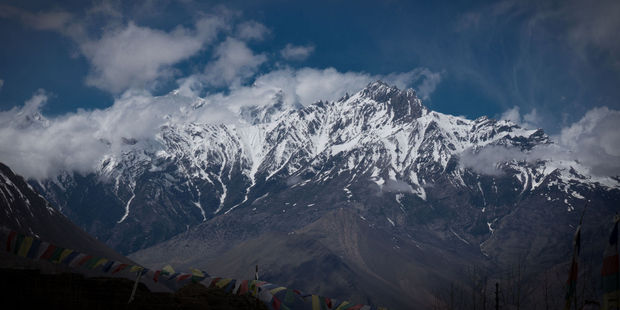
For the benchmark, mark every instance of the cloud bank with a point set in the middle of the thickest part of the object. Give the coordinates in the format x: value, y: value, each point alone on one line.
x: 38, y: 147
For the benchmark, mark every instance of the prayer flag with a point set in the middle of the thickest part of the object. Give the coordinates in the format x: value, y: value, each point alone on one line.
x: 571, y: 283
x: 610, y: 271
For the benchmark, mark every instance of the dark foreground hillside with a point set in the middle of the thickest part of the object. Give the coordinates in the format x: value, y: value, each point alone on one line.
x: 30, y: 289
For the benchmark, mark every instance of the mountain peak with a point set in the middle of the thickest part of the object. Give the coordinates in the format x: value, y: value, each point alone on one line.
x: 378, y: 83
x: 379, y: 91
x: 383, y: 92
x: 404, y: 103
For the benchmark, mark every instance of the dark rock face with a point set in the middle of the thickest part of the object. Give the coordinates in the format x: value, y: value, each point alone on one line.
x: 25, y: 211
x: 378, y: 158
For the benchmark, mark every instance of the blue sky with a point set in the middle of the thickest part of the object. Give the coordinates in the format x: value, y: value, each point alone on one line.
x: 543, y: 64
x: 558, y: 58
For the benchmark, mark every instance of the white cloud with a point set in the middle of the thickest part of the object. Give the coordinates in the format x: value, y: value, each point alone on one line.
x: 299, y: 87
x: 593, y: 141
x: 57, y: 20
x: 252, y: 30
x: 532, y: 118
x: 308, y: 85
x: 429, y: 83
x: 234, y: 64
x: 35, y: 147
x: 35, y: 103
x: 190, y: 86
x: 40, y: 148
x: 488, y: 159
x: 296, y: 52
x: 124, y: 55
x: 313, y: 85
x: 105, y: 8
x: 296, y: 87
x: 513, y: 115
x: 28, y: 114
x: 134, y: 56
x: 422, y: 79
x: 529, y: 120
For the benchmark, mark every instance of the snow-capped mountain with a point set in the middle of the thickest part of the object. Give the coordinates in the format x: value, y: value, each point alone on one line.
x: 382, y: 136
x: 380, y: 155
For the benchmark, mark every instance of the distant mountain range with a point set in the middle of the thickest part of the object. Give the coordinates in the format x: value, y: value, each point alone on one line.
x: 364, y: 198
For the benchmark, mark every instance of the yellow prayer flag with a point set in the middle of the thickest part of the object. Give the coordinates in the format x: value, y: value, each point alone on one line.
x: 64, y: 254
x: 342, y: 305
x: 197, y: 273
x: 100, y: 262
x: 25, y: 246
x: 223, y: 282
x: 276, y: 290
x: 167, y: 270
x: 315, y: 303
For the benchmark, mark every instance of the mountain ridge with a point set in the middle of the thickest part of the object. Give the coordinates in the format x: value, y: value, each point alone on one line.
x: 215, y: 168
